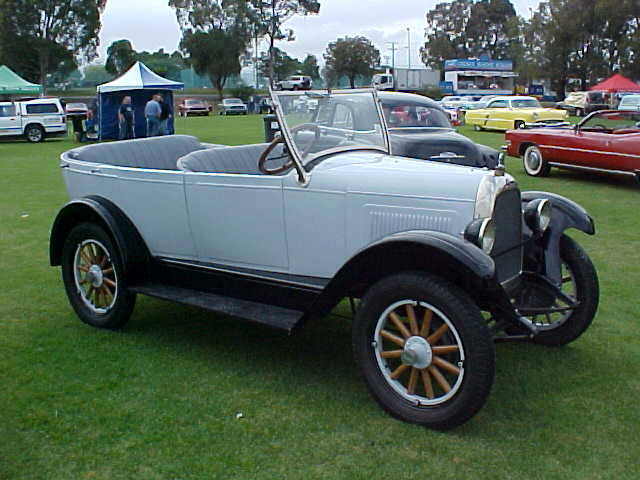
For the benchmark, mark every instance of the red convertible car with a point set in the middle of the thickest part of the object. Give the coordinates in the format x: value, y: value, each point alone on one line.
x: 605, y: 141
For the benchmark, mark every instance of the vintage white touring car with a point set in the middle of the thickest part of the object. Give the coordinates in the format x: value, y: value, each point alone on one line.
x: 280, y: 233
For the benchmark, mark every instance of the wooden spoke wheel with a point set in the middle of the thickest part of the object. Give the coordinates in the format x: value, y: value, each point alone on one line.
x: 94, y: 277
x: 580, y: 285
x: 419, y: 352
x: 424, y: 350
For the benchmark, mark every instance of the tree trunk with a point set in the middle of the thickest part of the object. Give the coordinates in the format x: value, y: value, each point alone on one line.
x: 271, y: 70
x: 352, y: 81
x: 43, y: 73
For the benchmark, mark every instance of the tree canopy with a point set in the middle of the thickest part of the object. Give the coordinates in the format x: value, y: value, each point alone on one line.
x: 51, y: 35
x: 352, y: 57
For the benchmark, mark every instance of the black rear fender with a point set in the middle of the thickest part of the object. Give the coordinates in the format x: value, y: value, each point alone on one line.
x: 128, y: 241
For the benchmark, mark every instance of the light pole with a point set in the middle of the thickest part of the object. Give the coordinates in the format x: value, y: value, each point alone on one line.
x: 393, y: 56
x: 409, y: 46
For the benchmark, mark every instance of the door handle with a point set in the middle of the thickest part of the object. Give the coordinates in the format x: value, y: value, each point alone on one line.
x: 95, y: 170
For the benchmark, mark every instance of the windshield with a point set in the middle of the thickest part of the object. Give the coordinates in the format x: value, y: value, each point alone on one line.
x: 612, y: 122
x: 414, y: 116
x: 194, y: 102
x: 525, y: 103
x: 233, y: 101
x: 319, y: 123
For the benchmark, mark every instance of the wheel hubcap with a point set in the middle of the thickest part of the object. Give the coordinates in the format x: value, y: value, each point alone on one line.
x: 95, y: 276
x: 419, y: 352
x: 534, y: 160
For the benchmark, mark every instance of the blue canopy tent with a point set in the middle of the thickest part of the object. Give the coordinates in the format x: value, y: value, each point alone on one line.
x: 140, y: 83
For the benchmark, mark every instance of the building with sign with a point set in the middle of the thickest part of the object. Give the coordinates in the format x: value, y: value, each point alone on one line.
x: 482, y: 76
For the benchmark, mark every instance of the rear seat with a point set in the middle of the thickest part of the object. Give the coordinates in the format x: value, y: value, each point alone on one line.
x: 160, y: 153
x: 242, y: 159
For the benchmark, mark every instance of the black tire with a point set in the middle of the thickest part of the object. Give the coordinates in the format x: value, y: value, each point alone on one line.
x: 478, y: 128
x: 475, y: 355
x: 119, y: 310
x: 34, y: 133
x: 518, y: 124
x: 534, y: 163
x: 587, y: 292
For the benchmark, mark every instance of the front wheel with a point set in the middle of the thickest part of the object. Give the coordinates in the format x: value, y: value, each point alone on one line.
x: 534, y: 163
x: 518, y: 125
x: 94, y: 278
x: 580, y: 283
x: 478, y: 128
x: 423, y: 349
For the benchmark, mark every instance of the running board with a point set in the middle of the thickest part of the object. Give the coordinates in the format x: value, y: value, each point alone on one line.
x: 273, y: 316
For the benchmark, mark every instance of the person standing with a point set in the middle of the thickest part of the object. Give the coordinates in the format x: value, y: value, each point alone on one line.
x: 125, y: 119
x: 152, y: 112
x: 165, y: 115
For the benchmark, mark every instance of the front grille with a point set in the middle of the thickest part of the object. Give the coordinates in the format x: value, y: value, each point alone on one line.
x: 507, y: 218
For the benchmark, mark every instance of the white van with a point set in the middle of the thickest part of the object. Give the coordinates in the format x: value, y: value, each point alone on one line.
x: 32, y: 119
x: 630, y: 102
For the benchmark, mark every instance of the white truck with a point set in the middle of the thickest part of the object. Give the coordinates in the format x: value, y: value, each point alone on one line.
x: 406, y: 79
x: 32, y: 119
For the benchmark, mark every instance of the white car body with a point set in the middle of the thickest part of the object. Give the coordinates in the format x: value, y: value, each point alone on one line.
x: 295, y: 82
x: 630, y: 102
x: 26, y: 118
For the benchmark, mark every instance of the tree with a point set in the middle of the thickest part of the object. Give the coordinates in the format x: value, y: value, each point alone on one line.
x: 120, y: 57
x: 310, y: 67
x: 269, y: 16
x: 487, y: 31
x: 214, y: 35
x: 352, y: 57
x: 446, y: 32
x: 215, y: 53
x: 51, y: 31
x: 95, y: 75
x: 283, y: 65
x: 164, y: 64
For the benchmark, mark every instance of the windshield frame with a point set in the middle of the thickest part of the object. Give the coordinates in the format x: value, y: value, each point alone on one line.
x: 299, y: 164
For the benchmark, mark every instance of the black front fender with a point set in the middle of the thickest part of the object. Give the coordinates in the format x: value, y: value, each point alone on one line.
x: 566, y: 214
x: 439, y: 253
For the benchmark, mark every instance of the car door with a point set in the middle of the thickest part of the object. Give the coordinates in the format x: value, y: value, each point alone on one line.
x: 497, y: 111
x: 237, y: 219
x: 9, y: 120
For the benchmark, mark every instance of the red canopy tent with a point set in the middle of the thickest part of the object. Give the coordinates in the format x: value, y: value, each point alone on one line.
x: 615, y: 84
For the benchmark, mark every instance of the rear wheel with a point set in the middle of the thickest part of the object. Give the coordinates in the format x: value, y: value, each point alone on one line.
x: 534, y: 163
x: 518, y: 124
x: 34, y: 133
x: 423, y: 350
x: 478, y: 128
x: 94, y: 278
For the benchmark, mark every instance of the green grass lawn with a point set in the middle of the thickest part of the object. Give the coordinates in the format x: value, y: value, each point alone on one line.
x: 158, y: 400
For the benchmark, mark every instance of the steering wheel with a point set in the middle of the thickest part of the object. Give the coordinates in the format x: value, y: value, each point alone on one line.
x: 264, y: 157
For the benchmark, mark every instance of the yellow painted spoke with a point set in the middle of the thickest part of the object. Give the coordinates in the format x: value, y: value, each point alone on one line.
x: 413, y: 380
x: 426, y: 380
x: 443, y: 349
x: 85, y: 256
x: 448, y: 366
x: 411, y: 314
x: 90, y: 292
x: 82, y: 268
x: 391, y: 354
x: 435, y: 336
x: 426, y: 323
x: 433, y: 370
x: 392, y: 338
x: 399, y: 371
x: 105, y: 290
x: 399, y: 325
x: 107, y: 271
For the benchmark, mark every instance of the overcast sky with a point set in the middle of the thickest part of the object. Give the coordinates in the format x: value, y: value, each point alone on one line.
x: 151, y: 24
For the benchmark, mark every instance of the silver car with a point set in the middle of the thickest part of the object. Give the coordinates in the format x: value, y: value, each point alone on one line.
x: 437, y: 260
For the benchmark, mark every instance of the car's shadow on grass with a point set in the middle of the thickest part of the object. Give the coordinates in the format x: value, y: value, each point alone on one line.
x: 319, y: 358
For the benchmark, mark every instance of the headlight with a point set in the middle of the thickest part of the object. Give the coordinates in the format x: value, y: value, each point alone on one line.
x: 482, y: 233
x: 537, y: 215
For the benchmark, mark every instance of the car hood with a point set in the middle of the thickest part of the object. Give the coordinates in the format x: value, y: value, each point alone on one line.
x: 432, y: 143
x: 380, y: 174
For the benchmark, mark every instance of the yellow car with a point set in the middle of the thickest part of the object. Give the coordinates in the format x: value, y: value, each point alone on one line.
x: 506, y: 113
